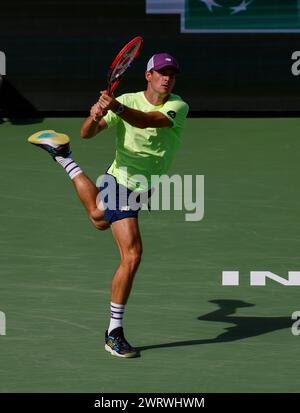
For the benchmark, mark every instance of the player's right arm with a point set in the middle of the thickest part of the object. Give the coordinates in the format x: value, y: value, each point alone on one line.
x: 94, y: 123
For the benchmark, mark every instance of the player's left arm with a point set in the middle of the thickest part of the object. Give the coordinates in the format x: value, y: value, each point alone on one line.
x: 135, y: 117
x: 144, y: 120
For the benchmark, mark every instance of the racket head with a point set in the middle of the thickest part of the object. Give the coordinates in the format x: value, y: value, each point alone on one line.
x: 122, y: 62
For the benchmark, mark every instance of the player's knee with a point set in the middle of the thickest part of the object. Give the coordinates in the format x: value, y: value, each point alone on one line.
x: 100, y: 225
x: 133, y: 257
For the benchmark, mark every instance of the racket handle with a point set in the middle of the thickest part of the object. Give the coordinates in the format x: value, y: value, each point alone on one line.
x: 104, y: 112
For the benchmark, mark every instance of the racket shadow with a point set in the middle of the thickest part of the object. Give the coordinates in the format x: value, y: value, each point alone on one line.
x: 243, y: 327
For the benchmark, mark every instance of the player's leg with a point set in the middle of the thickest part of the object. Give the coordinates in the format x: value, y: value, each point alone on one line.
x: 87, y: 193
x: 57, y: 144
x: 127, y: 236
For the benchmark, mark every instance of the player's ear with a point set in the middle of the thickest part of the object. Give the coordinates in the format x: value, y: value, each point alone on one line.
x: 148, y: 75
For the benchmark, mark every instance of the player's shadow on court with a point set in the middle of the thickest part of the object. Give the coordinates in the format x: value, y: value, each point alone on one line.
x: 244, y: 326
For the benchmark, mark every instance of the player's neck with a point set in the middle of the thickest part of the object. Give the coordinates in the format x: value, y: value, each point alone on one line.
x: 155, y: 98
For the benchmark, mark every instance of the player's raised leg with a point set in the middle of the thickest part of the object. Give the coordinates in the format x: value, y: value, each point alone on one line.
x: 87, y: 193
x: 58, y: 146
x: 127, y: 236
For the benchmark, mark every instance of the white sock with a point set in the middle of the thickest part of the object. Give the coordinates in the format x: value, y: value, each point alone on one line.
x: 69, y: 166
x: 116, y: 316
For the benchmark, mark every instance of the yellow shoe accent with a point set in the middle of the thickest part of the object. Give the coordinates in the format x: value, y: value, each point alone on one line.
x: 48, y: 136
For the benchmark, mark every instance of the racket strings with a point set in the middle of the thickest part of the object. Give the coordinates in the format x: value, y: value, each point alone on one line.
x: 124, y: 62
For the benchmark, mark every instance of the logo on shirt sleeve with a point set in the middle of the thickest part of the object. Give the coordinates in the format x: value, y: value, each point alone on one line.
x: 172, y: 114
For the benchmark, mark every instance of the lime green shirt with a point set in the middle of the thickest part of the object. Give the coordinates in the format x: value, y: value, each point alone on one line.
x: 148, y: 151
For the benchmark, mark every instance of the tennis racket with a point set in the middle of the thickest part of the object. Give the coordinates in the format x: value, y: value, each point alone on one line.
x: 122, y: 62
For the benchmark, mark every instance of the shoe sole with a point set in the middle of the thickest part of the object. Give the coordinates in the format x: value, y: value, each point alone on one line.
x: 114, y: 353
x: 53, y: 137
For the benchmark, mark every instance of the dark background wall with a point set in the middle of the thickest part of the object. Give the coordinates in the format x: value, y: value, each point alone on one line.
x: 58, y: 53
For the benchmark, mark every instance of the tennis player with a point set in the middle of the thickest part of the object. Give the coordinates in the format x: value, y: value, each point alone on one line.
x: 148, y: 128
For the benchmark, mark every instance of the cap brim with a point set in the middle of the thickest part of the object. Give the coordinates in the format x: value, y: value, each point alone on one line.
x: 176, y: 69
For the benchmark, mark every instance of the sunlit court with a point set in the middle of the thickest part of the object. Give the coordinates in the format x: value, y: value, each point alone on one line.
x: 204, y: 285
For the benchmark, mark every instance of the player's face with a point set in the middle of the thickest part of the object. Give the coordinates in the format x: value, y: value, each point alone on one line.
x: 162, y: 81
